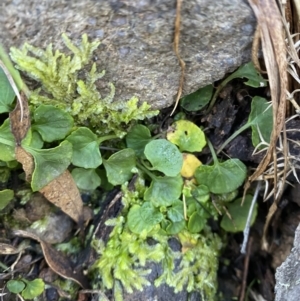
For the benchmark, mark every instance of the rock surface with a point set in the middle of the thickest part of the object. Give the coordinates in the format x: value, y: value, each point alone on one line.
x: 288, y: 274
x: 137, y: 35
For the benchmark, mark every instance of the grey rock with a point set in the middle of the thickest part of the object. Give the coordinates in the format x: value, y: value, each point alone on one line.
x: 288, y: 274
x: 137, y: 36
x: 55, y: 228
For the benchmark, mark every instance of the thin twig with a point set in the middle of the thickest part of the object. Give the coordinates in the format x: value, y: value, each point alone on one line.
x: 245, y: 273
x: 181, y: 62
x: 248, y: 222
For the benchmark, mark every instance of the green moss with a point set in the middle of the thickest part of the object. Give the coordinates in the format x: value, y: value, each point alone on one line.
x: 62, y: 86
x: 124, y: 257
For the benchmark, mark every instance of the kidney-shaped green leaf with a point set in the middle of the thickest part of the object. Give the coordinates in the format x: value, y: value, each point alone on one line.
x: 143, y: 218
x: 187, y: 136
x: 15, y: 286
x: 175, y: 212
x: 7, y: 142
x: 52, y: 123
x: 222, y: 177
x: 175, y: 227
x: 261, y: 120
x: 33, y: 288
x: 164, y: 156
x: 49, y: 163
x: 119, y: 166
x: 196, y: 223
x: 86, y: 151
x: 137, y: 138
x: 248, y: 71
x: 239, y: 215
x: 163, y: 191
x: 86, y: 179
x: 6, y: 196
x: 197, y: 100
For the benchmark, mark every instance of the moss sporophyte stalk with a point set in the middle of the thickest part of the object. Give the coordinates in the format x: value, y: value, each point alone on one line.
x: 68, y: 111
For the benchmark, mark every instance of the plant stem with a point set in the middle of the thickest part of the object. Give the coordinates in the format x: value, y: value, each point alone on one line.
x: 234, y: 135
x: 214, y: 155
x: 218, y: 90
x: 108, y: 137
x: 146, y: 171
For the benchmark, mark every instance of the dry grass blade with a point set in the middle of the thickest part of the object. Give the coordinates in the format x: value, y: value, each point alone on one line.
x: 181, y: 62
x: 274, y: 52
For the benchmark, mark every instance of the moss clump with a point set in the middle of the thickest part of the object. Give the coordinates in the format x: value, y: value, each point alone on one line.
x: 61, y: 86
x: 123, y: 259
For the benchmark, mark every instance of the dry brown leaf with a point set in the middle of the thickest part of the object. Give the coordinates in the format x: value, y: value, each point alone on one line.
x: 19, y: 125
x: 6, y: 249
x: 26, y: 160
x: 58, y: 262
x: 274, y: 50
x: 63, y: 193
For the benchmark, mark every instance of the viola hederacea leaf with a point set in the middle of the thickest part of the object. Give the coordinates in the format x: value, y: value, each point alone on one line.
x: 238, y: 214
x: 137, y: 138
x: 86, y: 179
x: 187, y: 136
x: 49, y: 163
x: 119, y: 166
x: 261, y: 120
x: 222, y: 177
x: 164, y: 190
x: 143, y: 218
x: 52, y: 123
x: 86, y: 151
x: 164, y: 156
x: 197, y: 100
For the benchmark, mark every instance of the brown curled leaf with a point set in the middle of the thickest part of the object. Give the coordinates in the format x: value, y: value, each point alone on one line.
x: 63, y: 193
x: 6, y: 249
x: 26, y: 160
x: 20, y: 124
x: 58, y: 262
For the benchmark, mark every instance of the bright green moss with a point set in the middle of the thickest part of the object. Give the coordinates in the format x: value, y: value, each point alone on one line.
x: 61, y: 86
x: 123, y: 259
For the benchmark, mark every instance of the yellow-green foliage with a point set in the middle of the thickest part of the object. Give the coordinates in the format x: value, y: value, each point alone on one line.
x: 123, y: 259
x: 61, y: 86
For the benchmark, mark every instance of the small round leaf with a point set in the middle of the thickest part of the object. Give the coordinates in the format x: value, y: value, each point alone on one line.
x: 164, y: 156
x: 6, y: 196
x: 239, y: 215
x: 86, y: 179
x: 15, y: 286
x: 187, y: 136
x: 143, y: 218
x: 222, y: 177
x: 33, y: 288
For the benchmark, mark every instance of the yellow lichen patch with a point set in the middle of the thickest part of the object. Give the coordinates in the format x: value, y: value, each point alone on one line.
x: 190, y: 164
